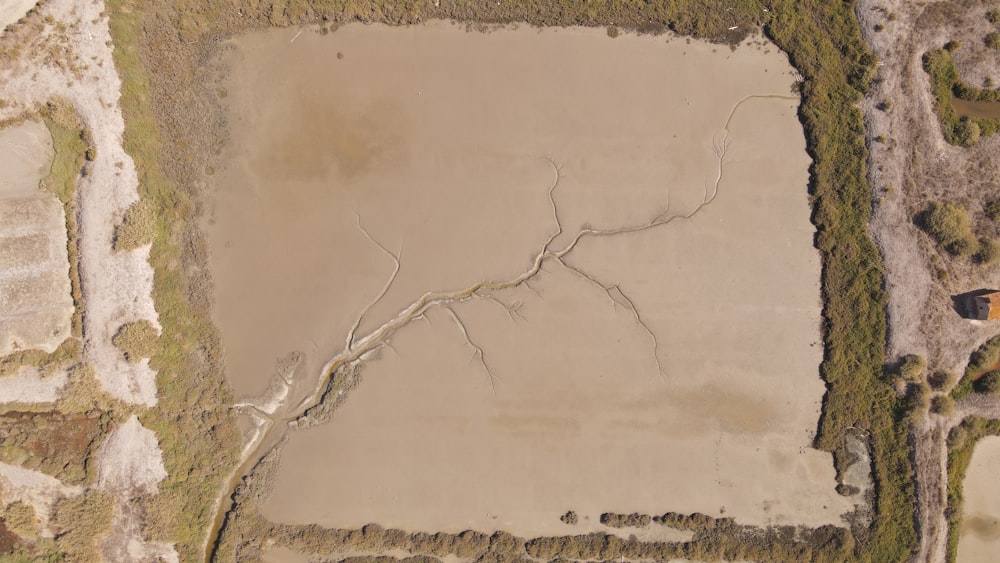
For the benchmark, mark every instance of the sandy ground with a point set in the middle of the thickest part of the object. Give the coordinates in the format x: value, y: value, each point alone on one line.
x: 690, y: 385
x: 13, y: 10
x: 28, y: 386
x: 980, y: 535
x: 71, y: 59
x: 36, y: 302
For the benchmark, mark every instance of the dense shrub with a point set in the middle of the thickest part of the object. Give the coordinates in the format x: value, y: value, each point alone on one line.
x: 136, y: 340
x: 912, y: 367
x: 989, y: 383
x: 992, y: 40
x: 942, y: 380
x: 992, y: 209
x: 943, y: 405
x: 948, y: 224
x: 989, y: 251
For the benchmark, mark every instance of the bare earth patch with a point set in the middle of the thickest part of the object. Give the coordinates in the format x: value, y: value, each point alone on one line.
x: 35, y: 298
x: 648, y: 338
x: 980, y: 534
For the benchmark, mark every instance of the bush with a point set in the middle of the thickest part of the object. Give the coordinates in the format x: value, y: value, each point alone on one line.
x: 966, y: 132
x: 569, y: 518
x: 943, y: 405
x: 989, y: 383
x: 942, y: 380
x: 952, y: 45
x: 993, y: 16
x: 918, y: 400
x: 137, y: 227
x: 136, y: 340
x: 992, y: 40
x: 989, y: 251
x: 612, y: 31
x: 966, y: 246
x: 948, y: 224
x: 992, y: 209
x: 911, y: 367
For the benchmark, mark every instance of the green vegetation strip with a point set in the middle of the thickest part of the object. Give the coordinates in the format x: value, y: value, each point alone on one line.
x: 946, y: 84
x: 823, y: 43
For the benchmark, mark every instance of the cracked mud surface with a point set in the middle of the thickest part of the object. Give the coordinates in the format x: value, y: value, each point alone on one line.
x: 609, y: 304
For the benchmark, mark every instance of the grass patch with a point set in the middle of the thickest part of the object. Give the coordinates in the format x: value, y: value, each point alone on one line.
x: 81, y: 521
x: 138, y: 227
x: 136, y: 340
x: 946, y: 85
x: 21, y: 519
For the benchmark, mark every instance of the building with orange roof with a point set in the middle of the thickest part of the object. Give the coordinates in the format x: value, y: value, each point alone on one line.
x: 987, y: 306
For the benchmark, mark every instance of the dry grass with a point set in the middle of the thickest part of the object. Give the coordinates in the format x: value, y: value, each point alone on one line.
x: 82, y: 521
x: 136, y: 340
x: 21, y: 520
x: 138, y: 227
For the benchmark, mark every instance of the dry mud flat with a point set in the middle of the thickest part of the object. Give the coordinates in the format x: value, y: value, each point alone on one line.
x: 980, y: 533
x: 35, y: 298
x: 673, y: 367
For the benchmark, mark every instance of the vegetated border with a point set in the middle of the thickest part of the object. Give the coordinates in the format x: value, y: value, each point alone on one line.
x: 947, y: 84
x: 191, y: 419
x: 824, y: 44
x: 961, y: 443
